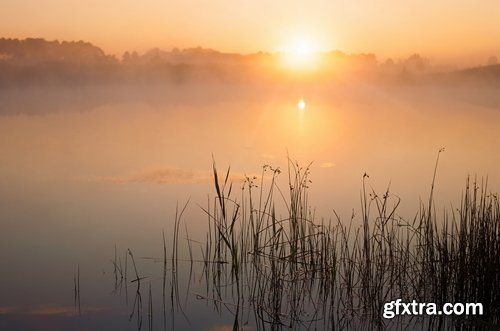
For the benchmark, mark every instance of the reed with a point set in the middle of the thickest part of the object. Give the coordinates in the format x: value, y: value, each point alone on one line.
x: 76, y: 291
x: 137, y: 308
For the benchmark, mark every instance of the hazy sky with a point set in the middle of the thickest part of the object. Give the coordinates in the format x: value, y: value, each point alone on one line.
x: 442, y: 29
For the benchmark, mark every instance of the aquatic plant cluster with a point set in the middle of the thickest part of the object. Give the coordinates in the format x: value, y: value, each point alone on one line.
x: 294, y: 272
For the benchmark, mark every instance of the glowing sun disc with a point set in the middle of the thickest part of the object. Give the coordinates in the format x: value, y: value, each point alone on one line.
x: 300, y: 53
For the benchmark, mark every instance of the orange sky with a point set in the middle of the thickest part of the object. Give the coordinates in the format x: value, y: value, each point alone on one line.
x: 457, y: 30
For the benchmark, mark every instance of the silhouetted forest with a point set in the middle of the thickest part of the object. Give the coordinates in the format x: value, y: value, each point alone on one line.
x: 35, y: 61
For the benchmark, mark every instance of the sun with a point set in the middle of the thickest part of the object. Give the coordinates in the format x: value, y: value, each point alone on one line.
x: 300, y: 53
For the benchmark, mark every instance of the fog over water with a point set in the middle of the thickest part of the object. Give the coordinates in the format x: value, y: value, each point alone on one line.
x: 85, y: 169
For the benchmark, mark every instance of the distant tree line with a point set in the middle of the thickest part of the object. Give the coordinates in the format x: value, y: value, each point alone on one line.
x: 35, y: 61
x: 37, y: 50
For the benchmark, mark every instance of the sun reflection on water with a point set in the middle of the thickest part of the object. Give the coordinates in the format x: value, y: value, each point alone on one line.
x: 301, y: 104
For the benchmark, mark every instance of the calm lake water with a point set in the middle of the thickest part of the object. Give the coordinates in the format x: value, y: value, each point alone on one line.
x: 86, y: 170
